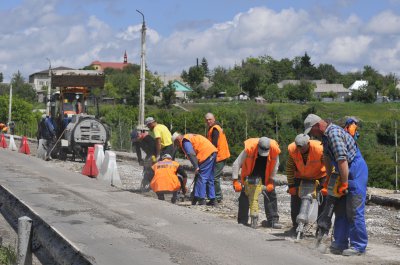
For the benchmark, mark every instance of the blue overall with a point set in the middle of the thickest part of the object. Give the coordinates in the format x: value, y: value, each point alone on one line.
x: 205, y: 180
x: 204, y: 184
x: 349, y: 211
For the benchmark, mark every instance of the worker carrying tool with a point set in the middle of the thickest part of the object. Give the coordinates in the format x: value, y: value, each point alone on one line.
x: 169, y: 177
x: 202, y: 154
x: 258, y: 160
x: 341, y: 151
x: 306, y: 174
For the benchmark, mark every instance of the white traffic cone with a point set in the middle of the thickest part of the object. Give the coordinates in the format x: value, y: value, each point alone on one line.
x: 98, y: 155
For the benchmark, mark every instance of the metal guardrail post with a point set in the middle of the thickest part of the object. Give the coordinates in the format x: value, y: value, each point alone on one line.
x: 24, y: 255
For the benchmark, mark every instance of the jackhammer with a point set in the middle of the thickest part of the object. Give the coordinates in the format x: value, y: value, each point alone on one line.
x: 325, y: 220
x: 307, y: 192
x: 252, y: 188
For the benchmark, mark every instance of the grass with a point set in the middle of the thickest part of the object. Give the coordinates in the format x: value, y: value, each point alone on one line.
x: 7, y: 255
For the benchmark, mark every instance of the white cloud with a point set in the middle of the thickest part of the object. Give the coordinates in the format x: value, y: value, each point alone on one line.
x: 348, y: 49
x: 385, y: 23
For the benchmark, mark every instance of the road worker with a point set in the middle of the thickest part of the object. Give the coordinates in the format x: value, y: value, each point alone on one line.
x: 142, y: 141
x: 47, y: 132
x: 305, y: 162
x: 259, y: 159
x: 202, y: 155
x: 160, y: 132
x: 351, y: 126
x: 341, y: 151
x: 217, y: 137
x: 166, y: 179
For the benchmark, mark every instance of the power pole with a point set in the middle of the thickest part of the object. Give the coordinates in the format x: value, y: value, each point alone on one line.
x: 48, y: 90
x: 395, y: 141
x: 9, y: 110
x: 142, y: 74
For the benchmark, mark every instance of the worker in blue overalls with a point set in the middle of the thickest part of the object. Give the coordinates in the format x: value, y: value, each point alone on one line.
x: 341, y: 151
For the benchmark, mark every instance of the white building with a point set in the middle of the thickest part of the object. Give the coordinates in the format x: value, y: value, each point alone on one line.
x: 42, y: 79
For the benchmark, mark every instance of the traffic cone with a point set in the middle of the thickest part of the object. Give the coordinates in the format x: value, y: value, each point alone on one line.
x: 90, y: 168
x: 3, y: 142
x: 98, y: 155
x: 24, y: 148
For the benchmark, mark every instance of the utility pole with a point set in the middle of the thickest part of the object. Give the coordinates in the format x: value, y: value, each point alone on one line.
x: 395, y: 141
x: 9, y: 109
x: 48, y: 90
x: 142, y: 74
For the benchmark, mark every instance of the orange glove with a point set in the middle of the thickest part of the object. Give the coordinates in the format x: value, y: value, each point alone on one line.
x: 270, y: 187
x: 324, y: 191
x: 343, y: 188
x: 292, y: 191
x: 237, y: 186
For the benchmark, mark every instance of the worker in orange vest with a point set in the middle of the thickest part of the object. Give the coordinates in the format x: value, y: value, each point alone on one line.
x: 305, y: 161
x: 217, y: 137
x: 351, y: 126
x: 259, y: 159
x: 202, y: 155
x: 166, y: 178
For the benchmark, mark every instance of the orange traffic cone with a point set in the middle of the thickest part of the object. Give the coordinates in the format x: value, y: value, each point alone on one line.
x: 90, y: 169
x: 3, y: 142
x: 24, y: 148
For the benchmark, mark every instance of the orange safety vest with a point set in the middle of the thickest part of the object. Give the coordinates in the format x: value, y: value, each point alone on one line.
x: 201, y: 145
x: 222, y: 144
x: 314, y: 167
x: 251, y: 149
x: 165, y: 176
x: 351, y: 129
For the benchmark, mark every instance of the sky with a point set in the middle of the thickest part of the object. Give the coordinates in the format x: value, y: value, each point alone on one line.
x: 348, y: 34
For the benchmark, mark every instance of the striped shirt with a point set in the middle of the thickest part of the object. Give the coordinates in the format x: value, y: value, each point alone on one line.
x: 338, y: 144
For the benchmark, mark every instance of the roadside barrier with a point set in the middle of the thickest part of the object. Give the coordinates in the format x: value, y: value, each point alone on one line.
x: 109, y: 171
x: 98, y: 155
x: 90, y: 168
x: 3, y: 142
x: 12, y: 146
x: 24, y: 148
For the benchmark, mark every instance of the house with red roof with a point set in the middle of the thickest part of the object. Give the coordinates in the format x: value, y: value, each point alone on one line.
x: 100, y: 66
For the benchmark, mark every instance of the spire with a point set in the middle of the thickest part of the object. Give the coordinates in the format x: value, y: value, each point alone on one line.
x: 125, y: 57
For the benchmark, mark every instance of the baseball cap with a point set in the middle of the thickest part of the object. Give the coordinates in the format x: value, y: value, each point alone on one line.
x: 302, y: 139
x: 263, y: 146
x: 174, y: 136
x: 310, y: 121
x: 166, y: 156
x: 149, y: 120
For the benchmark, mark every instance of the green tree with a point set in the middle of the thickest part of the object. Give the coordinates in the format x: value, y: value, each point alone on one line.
x: 168, y: 95
x: 304, y: 69
x: 366, y: 94
x: 223, y: 80
x: 1, y: 77
x: 22, y: 89
x: 328, y: 72
x: 204, y: 64
x: 272, y: 93
x: 302, y: 92
x: 194, y: 76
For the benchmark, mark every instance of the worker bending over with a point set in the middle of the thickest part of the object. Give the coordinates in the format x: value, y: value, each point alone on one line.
x: 166, y: 179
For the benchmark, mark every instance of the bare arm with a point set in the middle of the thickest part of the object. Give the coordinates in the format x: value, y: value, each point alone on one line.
x: 238, y: 164
x: 343, y: 170
x: 158, y: 147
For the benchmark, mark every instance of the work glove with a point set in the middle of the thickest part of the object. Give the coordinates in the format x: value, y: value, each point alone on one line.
x: 237, y: 186
x: 343, y: 188
x: 270, y: 187
x: 324, y: 191
x: 292, y: 191
x: 154, y: 158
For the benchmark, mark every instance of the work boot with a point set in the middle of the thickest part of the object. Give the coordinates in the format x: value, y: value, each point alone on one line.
x: 202, y: 202
x: 351, y: 252
x: 212, y: 202
x: 271, y: 224
x: 335, y: 251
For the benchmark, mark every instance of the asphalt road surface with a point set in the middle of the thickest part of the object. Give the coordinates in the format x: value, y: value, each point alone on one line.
x: 112, y: 226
